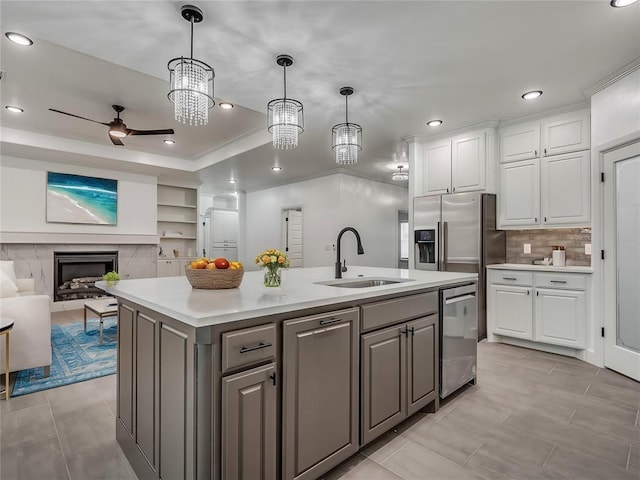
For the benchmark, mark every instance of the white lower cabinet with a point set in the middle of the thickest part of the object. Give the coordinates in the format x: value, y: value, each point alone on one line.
x: 543, y: 307
x: 513, y: 311
x: 560, y: 317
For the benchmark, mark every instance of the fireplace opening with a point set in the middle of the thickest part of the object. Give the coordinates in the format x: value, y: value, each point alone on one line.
x: 75, y: 273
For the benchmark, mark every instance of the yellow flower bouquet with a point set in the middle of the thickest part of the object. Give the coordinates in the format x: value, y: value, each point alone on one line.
x: 272, y: 260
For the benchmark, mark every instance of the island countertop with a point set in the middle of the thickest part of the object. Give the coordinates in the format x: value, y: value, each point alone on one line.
x: 174, y: 297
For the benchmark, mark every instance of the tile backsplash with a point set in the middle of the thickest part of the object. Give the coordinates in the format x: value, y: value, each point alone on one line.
x: 573, y: 240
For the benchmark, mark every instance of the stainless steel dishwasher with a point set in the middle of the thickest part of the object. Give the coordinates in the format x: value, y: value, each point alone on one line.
x: 458, y: 337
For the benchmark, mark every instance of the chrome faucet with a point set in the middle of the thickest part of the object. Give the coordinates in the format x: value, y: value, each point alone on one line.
x: 339, y: 267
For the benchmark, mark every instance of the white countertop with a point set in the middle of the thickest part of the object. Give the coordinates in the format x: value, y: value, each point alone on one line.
x: 174, y: 297
x: 540, y: 268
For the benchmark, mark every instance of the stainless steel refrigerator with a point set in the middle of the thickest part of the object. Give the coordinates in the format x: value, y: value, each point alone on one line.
x: 457, y: 233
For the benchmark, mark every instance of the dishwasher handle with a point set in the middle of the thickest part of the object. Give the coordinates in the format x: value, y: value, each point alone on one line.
x: 459, y: 298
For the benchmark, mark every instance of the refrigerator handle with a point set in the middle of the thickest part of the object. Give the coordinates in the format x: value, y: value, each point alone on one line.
x: 438, y: 247
x: 445, y: 240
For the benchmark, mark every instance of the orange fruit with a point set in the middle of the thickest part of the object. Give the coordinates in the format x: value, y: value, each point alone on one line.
x: 193, y: 265
x: 211, y: 266
x: 202, y: 263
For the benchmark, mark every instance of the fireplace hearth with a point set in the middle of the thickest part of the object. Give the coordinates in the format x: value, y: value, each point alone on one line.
x: 75, y: 273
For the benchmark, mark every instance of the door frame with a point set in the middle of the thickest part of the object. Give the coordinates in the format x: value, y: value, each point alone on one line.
x: 283, y: 226
x: 611, y: 352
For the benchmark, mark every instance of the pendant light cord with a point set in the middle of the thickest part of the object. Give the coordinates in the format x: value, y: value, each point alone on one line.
x: 285, y: 81
x: 191, y: 22
x: 346, y: 109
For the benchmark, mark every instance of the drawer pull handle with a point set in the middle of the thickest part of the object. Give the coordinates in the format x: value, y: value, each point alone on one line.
x: 273, y: 378
x: 459, y: 298
x: 509, y: 278
x: 255, y: 347
x: 330, y: 320
x: 558, y: 281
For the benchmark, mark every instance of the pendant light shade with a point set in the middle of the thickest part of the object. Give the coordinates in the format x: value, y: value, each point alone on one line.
x: 346, y: 137
x: 191, y: 81
x: 285, y: 115
x: 400, y: 176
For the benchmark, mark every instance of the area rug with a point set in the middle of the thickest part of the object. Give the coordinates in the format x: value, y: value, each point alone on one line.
x: 76, y: 356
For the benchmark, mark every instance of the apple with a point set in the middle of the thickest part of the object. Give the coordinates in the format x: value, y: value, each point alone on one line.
x: 221, y: 263
x: 211, y: 266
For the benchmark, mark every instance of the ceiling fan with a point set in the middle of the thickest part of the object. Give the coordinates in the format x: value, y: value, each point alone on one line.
x: 117, y: 128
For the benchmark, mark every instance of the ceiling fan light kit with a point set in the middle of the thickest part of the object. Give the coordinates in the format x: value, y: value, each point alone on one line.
x: 346, y: 137
x: 191, y: 80
x: 285, y: 117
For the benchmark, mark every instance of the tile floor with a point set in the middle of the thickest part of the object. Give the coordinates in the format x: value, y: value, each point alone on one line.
x: 532, y: 415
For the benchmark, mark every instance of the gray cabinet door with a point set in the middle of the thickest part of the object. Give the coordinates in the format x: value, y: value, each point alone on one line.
x: 422, y: 358
x: 320, y: 404
x: 383, y: 381
x: 125, y: 368
x: 249, y: 415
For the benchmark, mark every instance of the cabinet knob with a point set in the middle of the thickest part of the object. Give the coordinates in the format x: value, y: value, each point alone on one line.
x: 545, y: 219
x: 535, y: 219
x: 535, y: 153
x: 528, y: 292
x: 545, y: 151
x: 447, y: 190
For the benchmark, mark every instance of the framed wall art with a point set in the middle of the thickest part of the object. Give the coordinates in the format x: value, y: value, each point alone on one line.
x: 80, y: 199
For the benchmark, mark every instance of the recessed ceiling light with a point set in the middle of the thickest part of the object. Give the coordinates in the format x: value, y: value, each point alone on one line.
x: 13, y: 109
x: 434, y: 123
x: 168, y: 141
x: 226, y: 105
x: 232, y: 180
x: 276, y: 168
x: 533, y: 94
x: 19, y: 39
x: 622, y: 3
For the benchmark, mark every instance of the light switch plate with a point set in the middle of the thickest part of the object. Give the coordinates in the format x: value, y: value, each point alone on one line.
x: 527, y: 248
x: 587, y: 249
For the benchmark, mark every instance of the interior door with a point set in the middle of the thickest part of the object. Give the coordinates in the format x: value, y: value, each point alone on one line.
x: 622, y: 260
x: 293, y: 236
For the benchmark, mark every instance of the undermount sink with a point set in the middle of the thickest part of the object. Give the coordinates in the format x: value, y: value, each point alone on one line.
x: 363, y: 282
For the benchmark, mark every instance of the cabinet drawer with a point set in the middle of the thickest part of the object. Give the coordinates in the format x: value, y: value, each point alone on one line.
x: 560, y: 280
x: 379, y: 314
x: 510, y: 277
x: 248, y: 346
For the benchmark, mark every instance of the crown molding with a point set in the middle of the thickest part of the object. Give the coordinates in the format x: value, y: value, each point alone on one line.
x: 612, y: 78
x: 422, y: 138
x: 586, y: 105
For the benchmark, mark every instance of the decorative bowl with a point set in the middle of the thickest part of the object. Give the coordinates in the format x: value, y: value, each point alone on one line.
x: 213, y: 279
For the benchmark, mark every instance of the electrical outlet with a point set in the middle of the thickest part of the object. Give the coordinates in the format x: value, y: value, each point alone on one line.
x: 587, y: 249
x: 527, y: 248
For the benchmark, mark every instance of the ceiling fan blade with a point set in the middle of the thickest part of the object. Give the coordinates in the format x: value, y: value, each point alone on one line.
x: 167, y: 131
x: 78, y: 116
x: 116, y: 140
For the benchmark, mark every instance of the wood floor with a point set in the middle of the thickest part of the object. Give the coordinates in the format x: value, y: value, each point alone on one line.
x: 532, y: 416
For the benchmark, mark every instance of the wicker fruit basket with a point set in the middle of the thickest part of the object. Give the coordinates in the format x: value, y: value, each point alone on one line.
x: 215, y: 278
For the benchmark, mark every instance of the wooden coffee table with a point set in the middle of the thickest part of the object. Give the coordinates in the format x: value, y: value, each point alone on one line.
x: 102, y: 307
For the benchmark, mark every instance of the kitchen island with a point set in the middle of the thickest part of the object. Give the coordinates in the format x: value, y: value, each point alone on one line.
x: 284, y: 382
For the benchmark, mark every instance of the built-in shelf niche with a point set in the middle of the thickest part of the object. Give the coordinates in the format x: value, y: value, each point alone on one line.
x: 177, y: 220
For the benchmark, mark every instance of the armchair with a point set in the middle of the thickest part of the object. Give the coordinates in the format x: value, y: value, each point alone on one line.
x: 30, y: 338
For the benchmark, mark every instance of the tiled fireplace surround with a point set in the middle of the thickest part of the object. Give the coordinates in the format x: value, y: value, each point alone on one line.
x: 36, y: 261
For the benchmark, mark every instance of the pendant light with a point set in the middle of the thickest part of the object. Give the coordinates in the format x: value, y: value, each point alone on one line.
x: 400, y: 175
x: 191, y: 80
x: 285, y: 116
x: 346, y: 137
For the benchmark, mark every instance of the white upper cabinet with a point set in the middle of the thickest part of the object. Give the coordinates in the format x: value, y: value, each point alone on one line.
x: 436, y: 169
x: 565, y: 189
x: 468, y: 162
x: 545, y: 173
x: 460, y: 164
x: 566, y: 133
x: 225, y: 226
x: 521, y: 142
x: 519, y: 198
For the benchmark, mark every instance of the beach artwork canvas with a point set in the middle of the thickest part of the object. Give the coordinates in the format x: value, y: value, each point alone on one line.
x: 79, y: 199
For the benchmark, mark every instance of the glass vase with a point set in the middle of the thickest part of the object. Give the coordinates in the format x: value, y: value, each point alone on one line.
x: 272, y: 277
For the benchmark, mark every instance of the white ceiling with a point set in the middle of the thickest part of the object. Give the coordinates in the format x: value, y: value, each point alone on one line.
x: 409, y: 62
